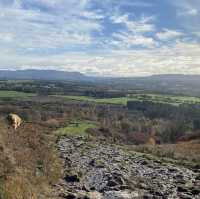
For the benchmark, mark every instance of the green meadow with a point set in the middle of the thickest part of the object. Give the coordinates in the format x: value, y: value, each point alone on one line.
x: 157, y: 98
x: 76, y: 128
x: 15, y: 94
x: 168, y: 99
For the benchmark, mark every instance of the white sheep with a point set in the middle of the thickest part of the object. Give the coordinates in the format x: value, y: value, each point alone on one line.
x: 15, y: 120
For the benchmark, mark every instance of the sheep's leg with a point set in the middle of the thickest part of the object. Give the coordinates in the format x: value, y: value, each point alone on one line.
x: 18, y: 123
x: 15, y: 126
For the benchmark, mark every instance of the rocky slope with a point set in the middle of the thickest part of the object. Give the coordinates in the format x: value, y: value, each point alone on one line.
x: 97, y: 170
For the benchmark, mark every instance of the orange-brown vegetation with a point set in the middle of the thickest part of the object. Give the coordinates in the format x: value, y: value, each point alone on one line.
x: 187, y: 151
x: 28, y: 161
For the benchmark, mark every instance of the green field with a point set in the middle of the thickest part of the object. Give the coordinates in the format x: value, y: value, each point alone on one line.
x: 157, y: 98
x: 167, y: 99
x: 122, y: 100
x: 15, y: 94
x: 76, y: 128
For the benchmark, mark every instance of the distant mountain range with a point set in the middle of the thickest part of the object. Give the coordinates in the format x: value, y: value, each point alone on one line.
x: 172, y: 84
x: 34, y: 74
x: 168, y: 84
x: 41, y: 75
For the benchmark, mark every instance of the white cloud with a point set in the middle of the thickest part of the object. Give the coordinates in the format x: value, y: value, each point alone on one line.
x: 182, y: 57
x: 167, y: 34
x: 188, y: 11
x: 126, y: 3
x: 6, y: 37
x: 55, y: 33
x: 138, y: 4
x: 197, y: 33
x: 188, y: 8
x: 128, y: 40
x: 92, y: 15
x: 135, y: 32
x: 34, y: 28
x: 187, y: 15
x: 141, y: 25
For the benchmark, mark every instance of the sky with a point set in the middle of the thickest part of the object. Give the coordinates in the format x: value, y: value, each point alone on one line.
x: 101, y: 37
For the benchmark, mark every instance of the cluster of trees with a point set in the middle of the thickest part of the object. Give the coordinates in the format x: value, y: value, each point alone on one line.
x: 187, y: 113
x: 171, y: 122
x: 104, y: 93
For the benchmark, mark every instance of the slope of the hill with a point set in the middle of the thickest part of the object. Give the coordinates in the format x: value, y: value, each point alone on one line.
x: 29, y: 163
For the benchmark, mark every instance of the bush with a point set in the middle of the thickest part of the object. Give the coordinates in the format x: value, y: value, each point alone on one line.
x: 52, y: 123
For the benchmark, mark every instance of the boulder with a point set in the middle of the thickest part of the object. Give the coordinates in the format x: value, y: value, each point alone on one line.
x: 95, y: 195
x: 120, y: 195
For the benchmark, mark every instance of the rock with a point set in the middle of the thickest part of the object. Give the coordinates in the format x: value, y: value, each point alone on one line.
x: 124, y: 187
x: 143, y: 186
x: 123, y: 175
x: 72, y: 178
x: 67, y: 195
x: 182, y: 189
x: 70, y: 196
x: 112, y: 183
x: 120, y: 195
x: 95, y: 195
x: 144, y: 162
x: 118, y: 178
x: 96, y: 179
x: 185, y: 196
x: 196, y: 191
x: 92, y: 163
x: 147, y: 196
x: 198, y: 177
x: 172, y: 170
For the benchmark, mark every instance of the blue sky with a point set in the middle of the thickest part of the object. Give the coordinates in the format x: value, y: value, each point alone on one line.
x: 107, y: 37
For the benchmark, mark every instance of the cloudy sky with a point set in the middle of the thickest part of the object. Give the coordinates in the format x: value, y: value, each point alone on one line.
x: 101, y: 37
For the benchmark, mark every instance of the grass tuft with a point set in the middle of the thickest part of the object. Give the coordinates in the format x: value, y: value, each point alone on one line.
x: 76, y: 128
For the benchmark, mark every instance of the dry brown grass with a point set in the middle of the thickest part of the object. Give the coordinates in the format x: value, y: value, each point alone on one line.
x: 183, y: 151
x: 29, y: 163
x: 18, y: 187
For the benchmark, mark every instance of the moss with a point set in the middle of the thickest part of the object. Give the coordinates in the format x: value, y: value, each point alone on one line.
x: 76, y: 128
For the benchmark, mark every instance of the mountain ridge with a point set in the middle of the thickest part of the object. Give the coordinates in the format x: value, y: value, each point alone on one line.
x: 34, y: 74
x: 50, y: 74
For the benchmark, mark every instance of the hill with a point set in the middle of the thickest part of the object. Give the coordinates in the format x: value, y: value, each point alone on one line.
x: 41, y: 75
x: 170, y: 84
x: 175, y: 84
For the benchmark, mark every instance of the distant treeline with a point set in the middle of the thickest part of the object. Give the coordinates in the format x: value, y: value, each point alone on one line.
x: 61, y: 88
x: 186, y: 113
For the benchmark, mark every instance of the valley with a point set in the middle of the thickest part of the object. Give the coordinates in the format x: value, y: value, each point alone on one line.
x: 99, y: 99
